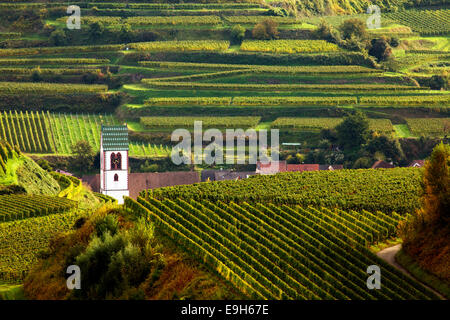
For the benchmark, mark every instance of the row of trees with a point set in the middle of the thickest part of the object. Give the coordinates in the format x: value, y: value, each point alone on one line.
x: 353, y: 144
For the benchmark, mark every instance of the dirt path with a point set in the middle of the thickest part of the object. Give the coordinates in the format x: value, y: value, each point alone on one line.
x: 388, y: 255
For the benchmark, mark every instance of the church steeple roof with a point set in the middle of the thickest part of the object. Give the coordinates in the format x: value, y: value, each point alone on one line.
x: 115, y: 138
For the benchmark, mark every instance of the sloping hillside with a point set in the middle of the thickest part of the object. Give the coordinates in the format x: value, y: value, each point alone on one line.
x: 34, y: 179
x: 17, y: 169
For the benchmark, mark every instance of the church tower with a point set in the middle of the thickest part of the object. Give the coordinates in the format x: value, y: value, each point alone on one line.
x: 114, y: 162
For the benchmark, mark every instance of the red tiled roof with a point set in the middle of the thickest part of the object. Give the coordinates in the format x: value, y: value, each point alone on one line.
x: 149, y: 180
x: 417, y: 163
x: 302, y: 167
x: 272, y: 167
x: 331, y: 166
x: 380, y: 164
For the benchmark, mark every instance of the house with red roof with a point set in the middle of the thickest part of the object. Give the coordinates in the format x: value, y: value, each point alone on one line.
x: 282, y: 166
x: 417, y: 163
x: 380, y: 164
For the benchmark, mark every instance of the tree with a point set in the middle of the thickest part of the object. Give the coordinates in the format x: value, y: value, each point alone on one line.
x: 237, y: 34
x: 279, y: 12
x: 394, y: 42
x: 438, y: 82
x: 266, y: 30
x: 44, y: 164
x: 96, y: 30
x: 425, y: 234
x: 126, y: 34
x: 353, y: 131
x: 391, y: 149
x: 326, y: 32
x: 436, y: 185
x: 36, y: 74
x: 83, y: 156
x: 362, y: 163
x: 58, y: 38
x: 329, y: 134
x: 380, y: 49
x: 353, y: 28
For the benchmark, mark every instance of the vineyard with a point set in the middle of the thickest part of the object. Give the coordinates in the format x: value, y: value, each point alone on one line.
x: 21, y: 240
x: 53, y: 61
x: 436, y: 127
x: 45, y: 88
x: 183, y: 85
x: 428, y: 22
x: 15, y: 207
x: 45, y: 132
x: 279, y: 252
x: 56, y: 50
x: 206, y: 122
x: 261, y: 68
x: 257, y: 19
x: 365, y: 189
x: 180, y: 46
x: 289, y: 46
x: 383, y: 126
x: 150, y: 21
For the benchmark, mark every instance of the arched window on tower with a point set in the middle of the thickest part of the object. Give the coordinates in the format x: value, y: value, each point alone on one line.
x: 119, y: 162
x: 116, y: 177
x: 116, y: 161
x: 113, y: 157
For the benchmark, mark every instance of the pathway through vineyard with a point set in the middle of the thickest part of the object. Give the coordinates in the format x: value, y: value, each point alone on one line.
x: 388, y: 255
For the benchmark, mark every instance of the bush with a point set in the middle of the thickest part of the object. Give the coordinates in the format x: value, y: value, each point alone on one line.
x: 126, y: 34
x: 326, y: 32
x: 96, y: 30
x: 363, y: 163
x: 394, y: 42
x: 36, y: 75
x: 380, y: 49
x: 115, y: 265
x: 353, y: 28
x: 353, y: 44
x: 438, y: 82
x: 147, y: 167
x: 277, y: 12
x: 237, y: 34
x: 44, y: 164
x: 58, y: 38
x: 266, y: 30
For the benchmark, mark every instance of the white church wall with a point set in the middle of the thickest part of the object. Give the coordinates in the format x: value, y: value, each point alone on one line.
x: 117, y: 195
x: 122, y: 182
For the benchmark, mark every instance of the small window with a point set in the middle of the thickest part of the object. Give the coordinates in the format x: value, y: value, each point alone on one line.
x: 116, y: 177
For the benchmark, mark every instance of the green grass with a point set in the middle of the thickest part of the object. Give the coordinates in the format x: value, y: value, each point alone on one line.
x: 385, y: 244
x: 402, y: 131
x: 263, y: 126
x: 11, y: 292
x: 10, y: 177
x: 268, y: 78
